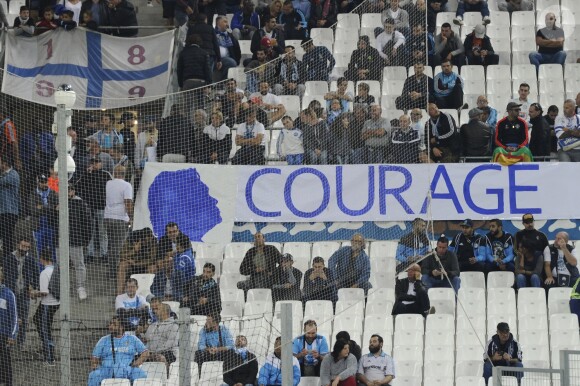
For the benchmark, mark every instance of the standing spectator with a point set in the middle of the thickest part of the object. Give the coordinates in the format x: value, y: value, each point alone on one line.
x: 472, y: 6
x: 176, y: 137
x: 511, y: 132
x: 323, y: 13
x: 538, y: 239
x: 377, y: 367
x: 250, y: 136
x: 469, y: 249
x: 318, y: 60
x: 8, y: 331
x: 193, y: 62
x: 417, y: 90
x: 411, y: 294
x: 319, y: 283
x: 9, y: 145
x: 529, y: 265
x: 292, y: 75
x: 211, y: 8
x: 550, y: 41
x: 240, y: 365
x: 95, y: 151
x: 399, y: 16
x: 294, y: 22
x: 567, y: 130
x: 122, y: 14
x: 46, y: 23
x: 448, y: 88
x: 208, y: 38
x: 229, y: 47
x: 478, y: 48
x: 524, y: 100
x: 550, y: 117
x: 540, y: 136
x: 575, y: 299
x: 259, y: 263
x: 204, y: 296
x: 502, y: 350
x: 99, y: 11
x: 499, y: 247
x: 390, y: 44
x: 515, y: 5
x: 245, y: 21
x: 43, y: 213
x: 415, y: 244
x: 118, y: 214
x: 475, y: 137
x: 23, y: 23
x: 217, y: 142
x: 376, y: 133
x: 350, y: 265
x: 339, y: 368
x: 271, y: 371
x: 145, y: 148
x: 443, y: 136
x: 363, y: 62
x: 108, y: 136
x: 9, y: 203
x: 440, y: 271
x: 448, y: 47
x: 21, y: 277
x: 561, y: 262
x: 128, y: 120
x: 49, y: 304
x: 161, y: 336
x: 287, y: 280
x: 215, y: 340
x: 316, y: 138
x: 310, y: 349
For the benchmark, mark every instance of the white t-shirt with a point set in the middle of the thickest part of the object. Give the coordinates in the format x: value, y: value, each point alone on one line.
x: 216, y: 133
x: 268, y: 99
x: 124, y: 301
x: 251, y: 131
x: 45, y: 275
x: 118, y: 191
x: 410, y: 291
x: 560, y: 268
x: 76, y: 8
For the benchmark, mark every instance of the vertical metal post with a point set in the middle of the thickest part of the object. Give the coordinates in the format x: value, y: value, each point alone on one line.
x: 565, y: 367
x: 496, y: 376
x: 287, y: 357
x: 63, y: 244
x: 185, y: 347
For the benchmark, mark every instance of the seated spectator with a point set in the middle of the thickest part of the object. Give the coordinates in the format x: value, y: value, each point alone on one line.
x: 350, y: 265
x: 443, y: 136
x: 499, y: 247
x: 363, y: 96
x: 407, y: 146
x: 524, y: 100
x: 292, y: 75
x: 183, y: 270
x: 217, y: 142
x: 448, y: 47
x: 376, y: 133
x: 528, y: 266
x: 250, y: 136
x: 287, y: 280
x: 421, y: 49
x: 318, y: 60
x: 203, y: 296
x: 261, y: 69
x: 502, y: 350
x: 323, y: 13
x: 472, y: 6
x: 491, y: 117
x: 138, y: 255
x: 411, y: 294
x: 511, y: 132
x: 399, y: 16
x: 215, y: 340
x: 290, y: 143
x: 342, y: 94
x: 334, y: 110
x: 434, y: 7
x: 245, y: 21
x: 65, y: 20
x: 268, y: 102
x: 550, y: 117
x: 114, y: 356
x: 272, y: 9
x: 448, y: 88
x: 271, y: 371
x: 478, y: 48
x: 122, y: 14
x: 228, y: 45
x: 310, y: 350
x: 415, y: 244
x: 353, y: 346
x: 161, y: 337
x: 536, y: 238
x: 577, y: 110
x: 390, y: 44
x: 443, y: 270
x: 47, y: 22
x: 23, y: 23
x: 162, y: 287
x: 339, y: 368
x: 339, y: 140
x: 363, y: 62
x: 270, y: 31
x: 515, y: 5
x: 193, y: 62
x: 260, y: 264
x: 550, y: 41
x: 469, y: 248
x: 316, y: 138
x: 377, y: 367
x: 294, y: 22
x: 475, y: 137
x: 318, y: 282
x: 131, y: 308
x: 567, y: 130
x: 240, y: 365
x: 540, y: 136
x: 304, y: 6
x: 419, y: 126
x: 561, y: 262
x: 417, y: 90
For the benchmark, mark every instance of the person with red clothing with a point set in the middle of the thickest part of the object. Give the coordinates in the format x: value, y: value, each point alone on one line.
x: 511, y: 132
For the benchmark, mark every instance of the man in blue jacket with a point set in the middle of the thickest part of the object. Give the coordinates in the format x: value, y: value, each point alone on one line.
x: 469, y: 248
x: 183, y: 268
x: 8, y: 330
x: 351, y: 265
x: 271, y: 371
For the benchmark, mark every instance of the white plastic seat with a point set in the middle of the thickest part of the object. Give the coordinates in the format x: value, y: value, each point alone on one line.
x: 378, y: 307
x: 470, y: 337
x: 394, y: 72
x: 378, y: 323
x: 407, y: 381
x: 468, y: 368
x: 232, y: 308
x: 298, y: 249
x: 382, y: 279
x: 319, y: 310
x: 345, y: 34
x: 211, y: 373
x: 440, y: 338
x: 325, y: 249
x: 232, y: 265
x: 155, y: 370
x: 254, y: 294
x: 472, y: 279
x: 439, y: 322
x: 173, y: 379
x: 174, y: 306
x: 344, y: 46
x: 297, y: 311
x: 349, y: 21
x: 409, y: 322
x: 535, y: 382
x: 350, y: 307
x: 408, y: 337
x: 239, y: 74
x: 309, y: 381
x: 559, y: 300
x: 563, y: 322
x: 524, y: 73
x: 498, y: 72
x: 115, y: 382
x: 550, y: 71
x: 408, y: 368
x: 564, y: 337
x: 570, y: 5
x: 501, y: 300
x: 469, y: 353
x: 236, y: 250
x: 533, y: 322
x: 351, y: 294
x: 148, y: 382
x: 536, y: 353
x: 371, y: 20
x: 315, y: 87
x: 437, y: 368
x: 533, y: 337
x: 471, y: 381
x: 350, y: 323
x: 381, y: 294
x: 471, y: 301
x: 439, y: 353
x: 523, y: 18
x: 216, y: 261
x: 523, y: 31
x: 292, y: 105
x: 258, y: 307
x: 230, y: 280
x: 321, y: 34
x: 407, y: 353
x: 509, y: 318
x: 445, y: 17
x: 207, y: 250
x: 548, y: 5
x: 144, y: 282
x: 500, y: 280
x: 384, y: 248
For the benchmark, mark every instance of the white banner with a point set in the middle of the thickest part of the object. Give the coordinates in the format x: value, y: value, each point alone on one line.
x: 193, y: 196
x: 104, y: 71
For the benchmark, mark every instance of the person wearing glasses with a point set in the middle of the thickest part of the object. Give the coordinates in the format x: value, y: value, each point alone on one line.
x: 550, y: 42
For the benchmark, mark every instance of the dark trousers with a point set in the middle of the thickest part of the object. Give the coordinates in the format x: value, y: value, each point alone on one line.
x: 310, y: 371
x: 249, y: 155
x: 454, y: 100
x: 466, y: 266
x: 43, y: 320
x: 5, y: 361
x: 421, y: 306
x: 204, y: 356
x: 22, y: 305
x: 7, y: 225
x: 478, y: 60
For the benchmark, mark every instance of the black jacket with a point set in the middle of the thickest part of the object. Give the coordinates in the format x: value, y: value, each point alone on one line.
x: 193, y: 63
x: 104, y: 14
x: 318, y: 288
x: 475, y: 139
x: 446, y: 130
x: 30, y: 272
x: 272, y: 259
x: 259, y: 34
x: 402, y: 286
x: 176, y: 136
x: 316, y: 13
x: 80, y: 222
x: 236, y: 370
x: 485, y: 44
x: 449, y: 261
x: 364, y: 59
x: 208, y: 37
x: 234, y: 51
x: 540, y: 140
x: 92, y: 188
x: 123, y: 15
x: 200, y: 288
x: 420, y: 86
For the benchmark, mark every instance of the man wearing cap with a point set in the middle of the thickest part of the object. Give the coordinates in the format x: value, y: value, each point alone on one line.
x: 475, y: 137
x: 441, y: 268
x: 318, y: 60
x: 502, y: 350
x: 286, y: 280
x: 363, y: 62
x: 469, y: 248
x: 351, y: 266
x: 478, y: 48
x: 417, y: 90
x: 538, y: 239
x: 411, y: 294
x: 567, y: 129
x: 511, y: 132
x: 550, y: 42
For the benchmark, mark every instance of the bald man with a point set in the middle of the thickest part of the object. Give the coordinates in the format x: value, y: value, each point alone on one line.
x: 410, y: 294
x: 561, y: 262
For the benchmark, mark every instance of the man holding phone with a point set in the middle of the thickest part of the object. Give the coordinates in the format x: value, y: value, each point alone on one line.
x: 502, y: 350
x: 411, y: 295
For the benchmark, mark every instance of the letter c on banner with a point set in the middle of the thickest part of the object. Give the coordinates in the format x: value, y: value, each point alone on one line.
x: 288, y: 192
x: 250, y: 187
x: 497, y: 192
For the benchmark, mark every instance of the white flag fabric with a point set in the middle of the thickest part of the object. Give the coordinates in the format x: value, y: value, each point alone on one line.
x: 104, y: 71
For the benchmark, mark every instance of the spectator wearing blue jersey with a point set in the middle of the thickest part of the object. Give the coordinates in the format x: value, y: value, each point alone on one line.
x: 108, y: 135
x: 469, y: 248
x: 215, y: 340
x: 271, y: 371
x: 499, y: 246
x: 8, y: 330
x: 114, y: 356
x: 318, y: 60
x: 414, y: 244
x: 183, y: 267
x: 310, y: 349
x: 448, y: 87
x: 351, y: 265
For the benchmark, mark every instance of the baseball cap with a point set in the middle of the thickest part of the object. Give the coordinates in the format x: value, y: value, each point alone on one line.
x: 503, y: 327
x: 127, y: 115
x: 466, y: 223
x: 513, y: 105
x: 475, y: 112
x: 528, y: 217
x: 479, y: 31
x: 265, y: 42
x: 287, y: 256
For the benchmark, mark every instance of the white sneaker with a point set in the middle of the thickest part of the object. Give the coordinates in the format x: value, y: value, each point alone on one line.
x: 486, y: 20
x: 82, y: 293
x: 458, y: 20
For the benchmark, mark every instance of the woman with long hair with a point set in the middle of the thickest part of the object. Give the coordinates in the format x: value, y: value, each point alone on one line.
x: 339, y: 368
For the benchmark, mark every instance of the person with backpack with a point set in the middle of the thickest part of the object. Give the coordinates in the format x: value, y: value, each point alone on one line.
x: 49, y: 292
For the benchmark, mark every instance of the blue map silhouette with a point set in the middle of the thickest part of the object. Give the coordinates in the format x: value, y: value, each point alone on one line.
x: 182, y: 197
